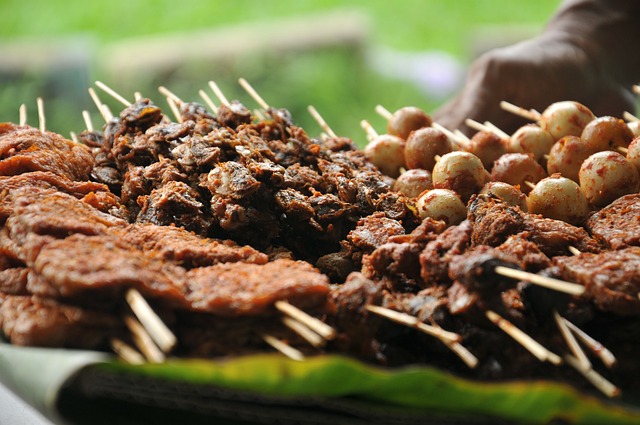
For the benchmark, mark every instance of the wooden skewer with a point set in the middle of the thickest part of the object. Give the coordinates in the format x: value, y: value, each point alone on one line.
x: 622, y: 150
x: 107, y: 110
x: 628, y: 116
x: 529, y: 184
x: 547, y: 282
x: 323, y: 124
x: 113, y: 93
x: 41, y: 118
x: 437, y: 158
x: 463, y: 137
x: 137, y: 96
x: 301, y: 329
x: 104, y: 111
x: 208, y: 101
x: 74, y: 137
x: 126, y: 352
x: 533, y: 346
x: 259, y: 115
x: 253, y: 93
x: 598, y: 381
x: 408, y: 320
x: 161, y: 335
x: 87, y: 120
x: 497, y: 130
x: 318, y: 326
x: 487, y: 126
x: 597, y: 348
x: 449, y: 339
x: 174, y: 109
x: 216, y: 90
x: 368, y: 128
x: 530, y: 114
x: 383, y: 112
x: 143, y: 341
x: 168, y: 93
x: 455, y: 138
x: 23, y: 114
x: 571, y: 341
x: 283, y: 347
x: 573, y: 250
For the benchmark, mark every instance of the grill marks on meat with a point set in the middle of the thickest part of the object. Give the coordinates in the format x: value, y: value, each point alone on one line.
x: 617, y: 225
x: 26, y: 149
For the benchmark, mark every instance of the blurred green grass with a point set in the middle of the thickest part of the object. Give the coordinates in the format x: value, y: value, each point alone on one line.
x: 337, y: 80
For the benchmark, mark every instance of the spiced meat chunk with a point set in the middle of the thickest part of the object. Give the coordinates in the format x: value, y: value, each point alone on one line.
x: 493, y: 220
x: 618, y: 224
x: 436, y: 256
x: 611, y: 278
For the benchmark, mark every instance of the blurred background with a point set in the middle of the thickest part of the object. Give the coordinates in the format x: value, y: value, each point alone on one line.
x: 343, y: 57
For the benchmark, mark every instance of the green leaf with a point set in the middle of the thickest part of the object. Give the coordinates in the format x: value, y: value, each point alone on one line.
x: 413, y: 388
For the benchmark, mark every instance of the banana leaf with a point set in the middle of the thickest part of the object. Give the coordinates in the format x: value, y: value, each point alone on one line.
x: 273, y: 389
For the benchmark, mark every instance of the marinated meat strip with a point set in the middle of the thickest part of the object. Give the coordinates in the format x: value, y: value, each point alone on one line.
x: 41, y: 215
x: 238, y: 289
x: 611, y: 278
x: 618, y: 224
x: 102, y: 267
x: 49, y: 180
x: 184, y: 248
x: 96, y: 194
x: 26, y: 149
x: 36, y: 321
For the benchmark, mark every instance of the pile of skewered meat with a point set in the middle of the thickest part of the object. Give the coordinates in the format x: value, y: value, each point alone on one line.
x: 242, y: 232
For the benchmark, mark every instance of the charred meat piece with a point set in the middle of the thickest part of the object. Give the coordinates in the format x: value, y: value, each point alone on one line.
x: 494, y: 221
x: 618, y: 224
x: 174, y: 203
x: 436, y: 256
x: 477, y: 287
x: 233, y: 115
x: 26, y: 149
x: 611, y: 278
